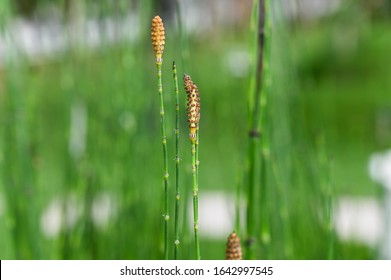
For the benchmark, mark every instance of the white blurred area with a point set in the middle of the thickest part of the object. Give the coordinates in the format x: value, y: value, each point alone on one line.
x: 216, y: 214
x: 380, y: 168
x: 380, y: 172
x: 60, y: 214
x: 37, y: 40
x: 48, y: 36
x: 63, y: 214
x: 360, y: 220
x: 310, y: 9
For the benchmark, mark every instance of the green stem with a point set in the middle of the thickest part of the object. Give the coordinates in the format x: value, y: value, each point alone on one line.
x: 197, y: 160
x: 166, y: 215
x: 195, y: 197
x: 177, y: 190
x: 265, y: 26
x: 197, y: 169
x: 255, y: 137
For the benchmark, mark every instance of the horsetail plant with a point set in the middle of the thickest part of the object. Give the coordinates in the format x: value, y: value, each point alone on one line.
x: 177, y: 159
x: 265, y: 72
x: 158, y: 41
x: 193, y: 114
x: 255, y: 135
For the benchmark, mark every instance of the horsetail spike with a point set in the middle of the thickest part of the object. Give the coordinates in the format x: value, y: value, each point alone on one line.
x: 234, y: 249
x: 157, y: 36
x: 193, y: 106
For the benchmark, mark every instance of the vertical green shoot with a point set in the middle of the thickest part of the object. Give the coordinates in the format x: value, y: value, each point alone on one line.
x: 165, y: 161
x: 255, y: 135
x: 265, y: 72
x: 158, y: 41
x: 195, y: 199
x: 193, y: 113
x: 177, y: 159
x: 197, y: 164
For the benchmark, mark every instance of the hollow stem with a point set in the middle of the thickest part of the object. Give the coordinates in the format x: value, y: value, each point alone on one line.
x: 255, y: 139
x: 195, y: 197
x: 166, y: 215
x: 177, y: 159
x: 197, y: 154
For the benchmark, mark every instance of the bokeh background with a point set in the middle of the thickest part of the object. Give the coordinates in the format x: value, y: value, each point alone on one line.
x: 80, y: 147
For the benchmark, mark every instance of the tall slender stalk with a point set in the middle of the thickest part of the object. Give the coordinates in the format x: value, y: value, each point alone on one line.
x: 265, y: 28
x: 158, y: 41
x: 193, y: 113
x: 195, y: 199
x: 255, y: 138
x: 197, y: 144
x: 197, y: 164
x: 177, y: 159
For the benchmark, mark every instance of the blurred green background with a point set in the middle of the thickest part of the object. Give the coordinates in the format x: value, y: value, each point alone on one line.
x: 80, y: 147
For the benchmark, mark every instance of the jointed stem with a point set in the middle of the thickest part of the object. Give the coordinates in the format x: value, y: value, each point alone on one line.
x: 166, y: 215
x: 197, y: 154
x: 195, y: 197
x: 255, y: 138
x: 193, y: 113
x: 177, y: 190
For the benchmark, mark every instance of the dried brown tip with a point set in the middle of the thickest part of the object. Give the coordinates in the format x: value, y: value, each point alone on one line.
x: 157, y: 36
x: 193, y: 106
x: 234, y: 249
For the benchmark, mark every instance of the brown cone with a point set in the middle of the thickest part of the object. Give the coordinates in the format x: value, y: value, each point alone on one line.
x: 157, y: 36
x: 193, y: 105
x: 234, y: 249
